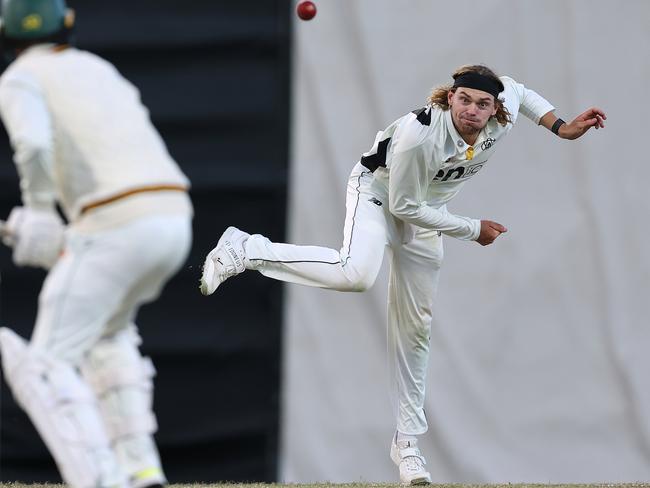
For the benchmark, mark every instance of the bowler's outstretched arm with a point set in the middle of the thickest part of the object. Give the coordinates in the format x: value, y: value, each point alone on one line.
x: 592, y: 117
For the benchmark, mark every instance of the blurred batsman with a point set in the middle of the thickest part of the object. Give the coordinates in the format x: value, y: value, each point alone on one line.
x: 82, y: 140
x: 397, y: 197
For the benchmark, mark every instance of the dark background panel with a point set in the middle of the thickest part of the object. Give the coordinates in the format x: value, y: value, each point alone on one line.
x: 215, y: 77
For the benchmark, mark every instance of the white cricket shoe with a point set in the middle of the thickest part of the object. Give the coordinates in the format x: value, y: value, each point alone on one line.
x: 225, y: 260
x: 407, y: 456
x: 148, y: 478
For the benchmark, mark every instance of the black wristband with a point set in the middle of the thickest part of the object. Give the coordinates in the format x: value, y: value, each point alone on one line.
x: 556, y: 126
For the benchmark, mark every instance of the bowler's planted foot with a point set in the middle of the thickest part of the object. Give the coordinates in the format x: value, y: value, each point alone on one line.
x: 406, y: 455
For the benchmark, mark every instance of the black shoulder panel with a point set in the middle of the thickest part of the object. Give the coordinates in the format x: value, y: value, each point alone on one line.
x: 374, y: 161
x: 423, y: 115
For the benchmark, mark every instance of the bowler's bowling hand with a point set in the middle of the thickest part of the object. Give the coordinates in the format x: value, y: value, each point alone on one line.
x: 489, y: 232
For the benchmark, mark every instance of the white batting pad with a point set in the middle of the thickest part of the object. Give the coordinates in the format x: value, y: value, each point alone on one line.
x: 123, y: 382
x: 64, y: 411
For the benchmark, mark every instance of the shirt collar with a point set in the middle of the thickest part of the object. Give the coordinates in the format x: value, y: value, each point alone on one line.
x: 491, y: 126
x: 38, y: 48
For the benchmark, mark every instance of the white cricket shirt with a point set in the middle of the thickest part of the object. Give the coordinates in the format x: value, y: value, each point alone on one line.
x: 426, y: 160
x: 79, y: 131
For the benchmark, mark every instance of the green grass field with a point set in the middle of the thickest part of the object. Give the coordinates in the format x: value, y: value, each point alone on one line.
x: 363, y: 485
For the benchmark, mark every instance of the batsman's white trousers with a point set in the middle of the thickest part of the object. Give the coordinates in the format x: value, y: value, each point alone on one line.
x: 97, y: 286
x: 416, y: 257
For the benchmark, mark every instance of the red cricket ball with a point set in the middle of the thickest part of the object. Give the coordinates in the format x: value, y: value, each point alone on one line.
x: 306, y: 10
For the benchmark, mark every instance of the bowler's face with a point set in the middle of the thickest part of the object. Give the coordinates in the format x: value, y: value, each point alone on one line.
x: 471, y: 109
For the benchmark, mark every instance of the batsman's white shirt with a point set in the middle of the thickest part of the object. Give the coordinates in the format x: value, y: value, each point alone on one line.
x: 83, y: 139
x: 80, y: 133
x: 396, y: 198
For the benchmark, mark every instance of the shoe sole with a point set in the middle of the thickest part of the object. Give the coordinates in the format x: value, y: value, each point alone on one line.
x: 206, y: 275
x: 394, y: 456
x: 208, y: 264
x: 420, y: 481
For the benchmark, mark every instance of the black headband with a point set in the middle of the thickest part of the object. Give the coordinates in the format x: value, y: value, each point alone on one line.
x: 479, y: 82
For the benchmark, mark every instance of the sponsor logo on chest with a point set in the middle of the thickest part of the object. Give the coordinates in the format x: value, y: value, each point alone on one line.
x: 453, y: 170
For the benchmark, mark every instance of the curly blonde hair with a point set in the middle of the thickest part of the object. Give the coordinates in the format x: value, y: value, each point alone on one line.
x: 439, y: 95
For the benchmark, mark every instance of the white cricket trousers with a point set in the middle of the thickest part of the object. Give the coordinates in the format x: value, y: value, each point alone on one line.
x: 97, y: 286
x: 416, y: 257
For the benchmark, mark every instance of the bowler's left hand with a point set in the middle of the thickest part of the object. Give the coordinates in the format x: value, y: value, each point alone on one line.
x: 594, y: 117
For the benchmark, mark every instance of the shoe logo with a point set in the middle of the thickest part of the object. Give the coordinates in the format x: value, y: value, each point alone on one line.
x: 234, y: 256
x: 375, y: 201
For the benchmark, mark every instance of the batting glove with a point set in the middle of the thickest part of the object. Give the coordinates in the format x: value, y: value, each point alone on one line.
x: 35, y: 235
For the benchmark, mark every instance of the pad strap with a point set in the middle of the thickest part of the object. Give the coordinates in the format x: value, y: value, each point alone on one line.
x: 145, y: 423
